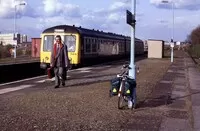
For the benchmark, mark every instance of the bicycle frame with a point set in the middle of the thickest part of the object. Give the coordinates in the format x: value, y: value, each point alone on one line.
x: 121, y: 88
x: 123, y: 76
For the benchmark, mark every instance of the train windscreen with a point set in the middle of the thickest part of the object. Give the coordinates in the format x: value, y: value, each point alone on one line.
x: 48, y: 42
x: 70, y: 41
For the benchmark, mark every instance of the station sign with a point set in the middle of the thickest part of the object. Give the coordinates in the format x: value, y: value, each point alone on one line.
x: 130, y: 18
x: 172, y: 44
x: 178, y: 43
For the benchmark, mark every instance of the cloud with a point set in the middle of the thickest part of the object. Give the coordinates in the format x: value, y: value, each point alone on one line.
x: 119, y: 6
x: 178, y: 4
x: 49, y: 8
x: 55, y: 7
x: 7, y: 9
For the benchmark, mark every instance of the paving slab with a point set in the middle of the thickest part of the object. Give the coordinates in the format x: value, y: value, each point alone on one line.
x: 196, y: 114
x: 174, y: 124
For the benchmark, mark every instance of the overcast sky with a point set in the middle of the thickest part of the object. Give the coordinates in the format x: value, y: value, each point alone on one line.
x: 154, y: 18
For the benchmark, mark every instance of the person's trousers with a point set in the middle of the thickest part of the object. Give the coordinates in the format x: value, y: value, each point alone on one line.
x: 60, y: 72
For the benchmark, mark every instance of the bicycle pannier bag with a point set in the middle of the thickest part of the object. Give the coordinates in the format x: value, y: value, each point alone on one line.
x: 115, y: 84
x: 129, y: 85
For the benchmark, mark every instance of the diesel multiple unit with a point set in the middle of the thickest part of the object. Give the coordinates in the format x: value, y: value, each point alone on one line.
x: 87, y: 45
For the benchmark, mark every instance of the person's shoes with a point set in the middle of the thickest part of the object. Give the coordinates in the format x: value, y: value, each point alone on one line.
x: 63, y: 83
x: 130, y: 104
x: 56, y: 87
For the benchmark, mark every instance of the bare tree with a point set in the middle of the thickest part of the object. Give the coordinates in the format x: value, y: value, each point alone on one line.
x: 195, y: 36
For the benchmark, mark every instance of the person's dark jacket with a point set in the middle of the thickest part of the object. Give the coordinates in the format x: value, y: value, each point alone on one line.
x: 60, y: 59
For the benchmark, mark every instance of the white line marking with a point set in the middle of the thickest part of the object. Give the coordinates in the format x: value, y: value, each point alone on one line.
x: 53, y: 79
x: 41, y: 81
x: 22, y: 80
x: 6, y: 90
x: 102, y: 67
x: 14, y: 82
x: 84, y: 71
x: 84, y: 68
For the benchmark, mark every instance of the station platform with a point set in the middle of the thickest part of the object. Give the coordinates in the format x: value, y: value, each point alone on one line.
x: 182, y: 84
x: 168, y: 99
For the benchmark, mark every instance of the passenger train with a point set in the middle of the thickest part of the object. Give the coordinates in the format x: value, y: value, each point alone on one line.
x: 86, y: 45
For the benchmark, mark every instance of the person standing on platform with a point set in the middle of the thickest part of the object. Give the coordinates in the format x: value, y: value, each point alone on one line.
x: 59, y: 61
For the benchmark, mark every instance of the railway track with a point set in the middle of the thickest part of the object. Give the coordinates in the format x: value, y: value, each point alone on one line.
x: 18, y: 60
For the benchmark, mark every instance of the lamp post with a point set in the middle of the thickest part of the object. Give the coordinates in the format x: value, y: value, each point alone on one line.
x: 172, y: 34
x: 15, y: 5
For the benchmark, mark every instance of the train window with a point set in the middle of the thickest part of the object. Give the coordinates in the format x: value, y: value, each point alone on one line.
x: 70, y: 41
x: 88, y: 47
x: 94, y: 47
x: 98, y: 43
x: 48, y: 42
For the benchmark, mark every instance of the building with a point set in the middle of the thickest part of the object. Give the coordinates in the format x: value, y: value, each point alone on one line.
x: 7, y: 39
x: 23, y: 38
x: 155, y: 48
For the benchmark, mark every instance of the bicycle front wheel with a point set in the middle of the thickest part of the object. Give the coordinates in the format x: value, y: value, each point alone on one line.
x: 121, y: 102
x: 121, y: 99
x: 134, y: 100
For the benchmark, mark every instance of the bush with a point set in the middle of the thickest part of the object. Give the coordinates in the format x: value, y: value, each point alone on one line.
x: 28, y: 52
x: 194, y: 50
x: 19, y: 52
x: 5, y: 51
x: 194, y: 39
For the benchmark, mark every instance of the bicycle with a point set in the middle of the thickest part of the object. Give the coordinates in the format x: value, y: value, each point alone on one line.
x: 124, y: 93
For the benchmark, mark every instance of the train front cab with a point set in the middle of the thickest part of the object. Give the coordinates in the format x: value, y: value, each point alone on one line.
x: 71, y: 40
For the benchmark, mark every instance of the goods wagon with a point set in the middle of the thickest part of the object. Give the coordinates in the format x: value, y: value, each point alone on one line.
x: 36, y: 42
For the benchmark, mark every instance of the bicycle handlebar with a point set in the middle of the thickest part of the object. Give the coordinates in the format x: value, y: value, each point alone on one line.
x: 121, y: 76
x: 125, y: 72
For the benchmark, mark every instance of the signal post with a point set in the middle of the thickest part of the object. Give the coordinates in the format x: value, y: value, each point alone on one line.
x: 130, y: 19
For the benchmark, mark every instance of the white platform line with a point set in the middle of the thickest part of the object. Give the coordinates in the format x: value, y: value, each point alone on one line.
x: 14, y: 82
x: 42, y: 81
x: 84, y: 68
x: 6, y: 90
x: 85, y: 71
